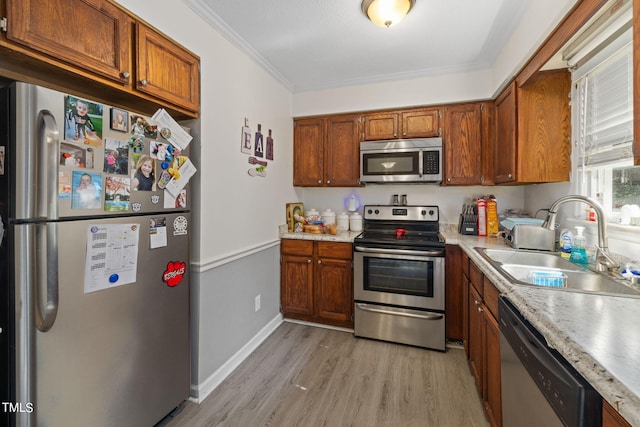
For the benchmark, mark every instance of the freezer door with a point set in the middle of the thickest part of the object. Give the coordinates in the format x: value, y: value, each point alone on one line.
x: 58, y: 174
x: 118, y: 356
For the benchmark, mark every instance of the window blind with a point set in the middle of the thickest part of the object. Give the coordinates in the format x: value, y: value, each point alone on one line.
x: 605, y: 110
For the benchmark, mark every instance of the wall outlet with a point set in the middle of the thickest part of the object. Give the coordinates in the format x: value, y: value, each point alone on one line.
x: 257, y: 303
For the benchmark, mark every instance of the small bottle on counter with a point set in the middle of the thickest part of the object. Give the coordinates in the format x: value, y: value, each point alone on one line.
x: 482, y: 217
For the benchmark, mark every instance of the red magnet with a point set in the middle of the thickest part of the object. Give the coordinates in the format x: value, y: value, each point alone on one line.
x: 174, y: 273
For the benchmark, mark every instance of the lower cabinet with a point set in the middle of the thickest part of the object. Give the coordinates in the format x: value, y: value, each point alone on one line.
x: 316, y: 281
x: 483, y: 342
x: 611, y: 417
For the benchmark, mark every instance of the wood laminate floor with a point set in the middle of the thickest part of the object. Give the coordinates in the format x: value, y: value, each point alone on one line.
x: 308, y: 376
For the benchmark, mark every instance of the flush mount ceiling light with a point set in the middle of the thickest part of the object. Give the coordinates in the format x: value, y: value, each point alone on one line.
x: 386, y: 13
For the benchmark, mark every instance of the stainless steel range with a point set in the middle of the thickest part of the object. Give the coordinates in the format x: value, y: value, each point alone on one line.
x: 399, y: 285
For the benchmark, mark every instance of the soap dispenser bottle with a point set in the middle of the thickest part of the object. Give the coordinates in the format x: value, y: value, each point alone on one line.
x: 578, y: 252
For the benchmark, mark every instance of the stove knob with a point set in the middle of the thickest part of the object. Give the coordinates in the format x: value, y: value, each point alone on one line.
x: 423, y: 212
x: 369, y: 211
x: 431, y: 212
x: 377, y: 211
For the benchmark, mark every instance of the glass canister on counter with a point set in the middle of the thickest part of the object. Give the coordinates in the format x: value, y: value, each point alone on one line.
x: 328, y: 217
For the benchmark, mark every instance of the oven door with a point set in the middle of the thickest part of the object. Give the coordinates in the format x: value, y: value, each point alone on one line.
x: 405, y: 278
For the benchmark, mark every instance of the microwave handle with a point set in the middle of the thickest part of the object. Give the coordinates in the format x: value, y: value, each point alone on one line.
x: 420, y: 169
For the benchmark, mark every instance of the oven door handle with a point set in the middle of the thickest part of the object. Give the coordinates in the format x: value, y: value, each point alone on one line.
x: 365, y: 307
x: 438, y: 253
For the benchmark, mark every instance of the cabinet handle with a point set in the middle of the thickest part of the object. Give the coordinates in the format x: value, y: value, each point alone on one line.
x: 328, y: 181
x: 319, y: 181
x: 395, y: 134
x: 510, y: 176
x: 308, y: 261
x: 477, y: 302
x: 143, y: 82
x: 448, y: 179
x: 319, y: 261
x: 404, y: 134
x: 480, y: 310
x: 126, y: 74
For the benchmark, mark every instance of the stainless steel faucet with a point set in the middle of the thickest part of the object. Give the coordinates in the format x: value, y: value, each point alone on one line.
x: 604, y: 261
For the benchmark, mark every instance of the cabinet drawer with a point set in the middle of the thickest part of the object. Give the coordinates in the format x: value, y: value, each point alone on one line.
x: 296, y: 247
x: 491, y: 294
x: 475, y: 276
x: 337, y: 250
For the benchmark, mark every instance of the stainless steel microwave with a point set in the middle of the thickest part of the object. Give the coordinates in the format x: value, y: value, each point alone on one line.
x: 401, y: 161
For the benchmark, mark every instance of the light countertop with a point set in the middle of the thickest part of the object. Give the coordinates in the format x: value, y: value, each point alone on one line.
x: 598, y: 334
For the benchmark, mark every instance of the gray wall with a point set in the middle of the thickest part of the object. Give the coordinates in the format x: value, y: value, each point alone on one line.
x: 226, y: 319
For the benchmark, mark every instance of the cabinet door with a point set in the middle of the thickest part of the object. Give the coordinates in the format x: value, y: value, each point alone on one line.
x: 93, y: 35
x: 505, y: 155
x: 308, y: 152
x: 611, y: 417
x: 454, y: 291
x: 422, y: 123
x: 476, y: 338
x: 334, y: 291
x: 342, y: 151
x: 381, y: 126
x: 544, y: 128
x: 462, y: 145
x: 296, y: 285
x: 492, y: 379
x: 166, y: 70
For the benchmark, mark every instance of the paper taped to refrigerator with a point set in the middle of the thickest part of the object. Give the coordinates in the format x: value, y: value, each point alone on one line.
x: 112, y: 256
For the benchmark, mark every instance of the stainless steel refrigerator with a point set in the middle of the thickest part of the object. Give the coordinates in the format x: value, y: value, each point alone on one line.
x: 94, y: 288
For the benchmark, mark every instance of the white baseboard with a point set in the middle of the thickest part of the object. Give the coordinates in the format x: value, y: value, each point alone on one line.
x: 200, y: 392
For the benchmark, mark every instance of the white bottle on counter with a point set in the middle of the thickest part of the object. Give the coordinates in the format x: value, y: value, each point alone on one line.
x: 355, y: 222
x: 343, y: 222
x: 328, y: 217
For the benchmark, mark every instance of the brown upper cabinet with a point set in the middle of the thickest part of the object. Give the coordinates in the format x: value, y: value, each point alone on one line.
x: 466, y: 141
x: 159, y: 62
x: 95, y: 48
x: 413, y: 123
x: 533, y: 130
x: 93, y: 35
x: 326, y: 151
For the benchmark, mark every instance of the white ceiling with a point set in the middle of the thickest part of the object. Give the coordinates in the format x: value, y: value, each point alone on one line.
x: 320, y: 44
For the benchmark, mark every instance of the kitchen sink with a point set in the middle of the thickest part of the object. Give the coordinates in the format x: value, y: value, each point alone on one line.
x: 527, y: 267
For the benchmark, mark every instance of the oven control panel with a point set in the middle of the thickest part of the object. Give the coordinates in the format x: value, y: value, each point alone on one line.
x: 401, y: 213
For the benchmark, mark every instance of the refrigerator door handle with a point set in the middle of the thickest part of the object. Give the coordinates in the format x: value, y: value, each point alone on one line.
x: 46, y: 288
x: 48, y: 160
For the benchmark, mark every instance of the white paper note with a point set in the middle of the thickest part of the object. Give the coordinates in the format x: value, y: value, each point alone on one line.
x: 177, y: 135
x: 112, y: 256
x: 187, y: 170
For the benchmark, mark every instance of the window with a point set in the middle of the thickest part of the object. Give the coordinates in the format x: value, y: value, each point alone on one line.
x: 602, y: 109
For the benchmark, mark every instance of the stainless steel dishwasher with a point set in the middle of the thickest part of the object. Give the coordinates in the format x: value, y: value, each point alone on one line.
x: 539, y: 387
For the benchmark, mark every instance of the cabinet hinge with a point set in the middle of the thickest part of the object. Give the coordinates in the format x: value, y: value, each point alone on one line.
x: 3, y: 24
x: 439, y: 131
x: 440, y: 114
x: 481, y: 107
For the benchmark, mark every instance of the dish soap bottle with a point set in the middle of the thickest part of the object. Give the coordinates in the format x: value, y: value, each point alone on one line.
x: 566, y: 243
x: 578, y: 252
